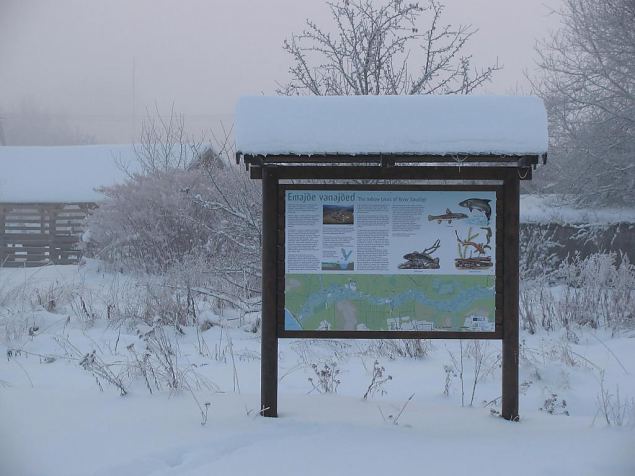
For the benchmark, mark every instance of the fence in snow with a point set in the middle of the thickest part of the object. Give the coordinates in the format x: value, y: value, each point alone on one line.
x: 33, y: 234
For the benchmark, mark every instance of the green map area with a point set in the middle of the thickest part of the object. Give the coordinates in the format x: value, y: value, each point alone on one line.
x: 395, y: 302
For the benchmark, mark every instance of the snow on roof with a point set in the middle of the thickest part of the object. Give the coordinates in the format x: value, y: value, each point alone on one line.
x: 66, y: 174
x: 408, y: 125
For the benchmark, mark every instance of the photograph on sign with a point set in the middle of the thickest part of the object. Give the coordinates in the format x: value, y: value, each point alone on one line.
x: 390, y: 260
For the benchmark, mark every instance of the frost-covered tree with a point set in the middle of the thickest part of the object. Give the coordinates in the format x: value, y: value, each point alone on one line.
x: 164, y: 144
x: 389, y: 47
x: 588, y: 83
x: 186, y: 210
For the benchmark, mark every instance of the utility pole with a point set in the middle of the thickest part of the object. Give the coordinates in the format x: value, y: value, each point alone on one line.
x: 133, y: 132
x: 3, y: 140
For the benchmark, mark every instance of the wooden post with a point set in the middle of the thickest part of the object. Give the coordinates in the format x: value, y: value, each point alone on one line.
x: 269, y: 337
x: 3, y: 244
x: 511, y: 204
x: 53, y: 254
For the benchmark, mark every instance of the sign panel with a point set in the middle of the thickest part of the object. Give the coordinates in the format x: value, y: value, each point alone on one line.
x: 390, y: 260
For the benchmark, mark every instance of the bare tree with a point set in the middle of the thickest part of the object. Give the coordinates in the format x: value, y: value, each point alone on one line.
x: 164, y: 144
x: 588, y: 83
x: 382, y: 49
x: 235, y: 200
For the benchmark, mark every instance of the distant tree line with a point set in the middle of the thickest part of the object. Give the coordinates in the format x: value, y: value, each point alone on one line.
x: 31, y: 125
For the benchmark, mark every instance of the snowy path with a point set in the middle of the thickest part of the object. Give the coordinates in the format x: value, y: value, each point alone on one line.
x: 54, y: 433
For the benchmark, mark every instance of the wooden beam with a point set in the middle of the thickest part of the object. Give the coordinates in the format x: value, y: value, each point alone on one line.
x: 53, y: 255
x: 388, y: 334
x: 255, y: 172
x: 393, y: 173
x: 400, y: 172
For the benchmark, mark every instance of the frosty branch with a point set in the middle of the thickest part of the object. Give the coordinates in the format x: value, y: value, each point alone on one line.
x: 381, y: 48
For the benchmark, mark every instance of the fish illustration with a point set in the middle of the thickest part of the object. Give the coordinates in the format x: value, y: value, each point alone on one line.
x: 478, y: 204
x: 447, y: 216
x: 422, y: 259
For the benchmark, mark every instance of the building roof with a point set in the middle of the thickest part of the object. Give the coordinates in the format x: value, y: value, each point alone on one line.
x: 68, y: 174
x: 400, y: 125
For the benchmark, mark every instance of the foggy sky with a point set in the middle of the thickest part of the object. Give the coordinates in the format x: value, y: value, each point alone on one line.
x: 74, y: 58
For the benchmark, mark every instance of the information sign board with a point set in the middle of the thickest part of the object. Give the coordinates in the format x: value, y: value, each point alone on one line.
x: 360, y: 259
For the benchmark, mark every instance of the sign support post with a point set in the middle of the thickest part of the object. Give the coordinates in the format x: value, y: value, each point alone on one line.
x: 511, y: 193
x: 269, y: 342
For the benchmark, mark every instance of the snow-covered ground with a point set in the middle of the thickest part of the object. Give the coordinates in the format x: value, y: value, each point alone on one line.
x: 55, y: 420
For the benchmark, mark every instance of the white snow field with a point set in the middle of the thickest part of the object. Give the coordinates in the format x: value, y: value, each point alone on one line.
x: 55, y: 420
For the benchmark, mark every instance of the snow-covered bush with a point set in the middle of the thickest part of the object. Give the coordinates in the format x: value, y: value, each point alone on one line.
x: 150, y: 223
x: 600, y: 292
x: 200, y: 226
x: 102, y: 371
x: 614, y: 409
x: 398, y: 348
x: 187, y: 212
x: 327, y: 377
x: 595, y: 291
x: 554, y: 405
x: 537, y: 251
x: 484, y: 360
x: 377, y: 381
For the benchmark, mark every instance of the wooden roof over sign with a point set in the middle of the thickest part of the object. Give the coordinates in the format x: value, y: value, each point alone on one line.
x: 493, y: 130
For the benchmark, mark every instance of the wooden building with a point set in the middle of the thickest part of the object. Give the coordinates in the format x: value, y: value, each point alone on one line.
x: 46, y: 194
